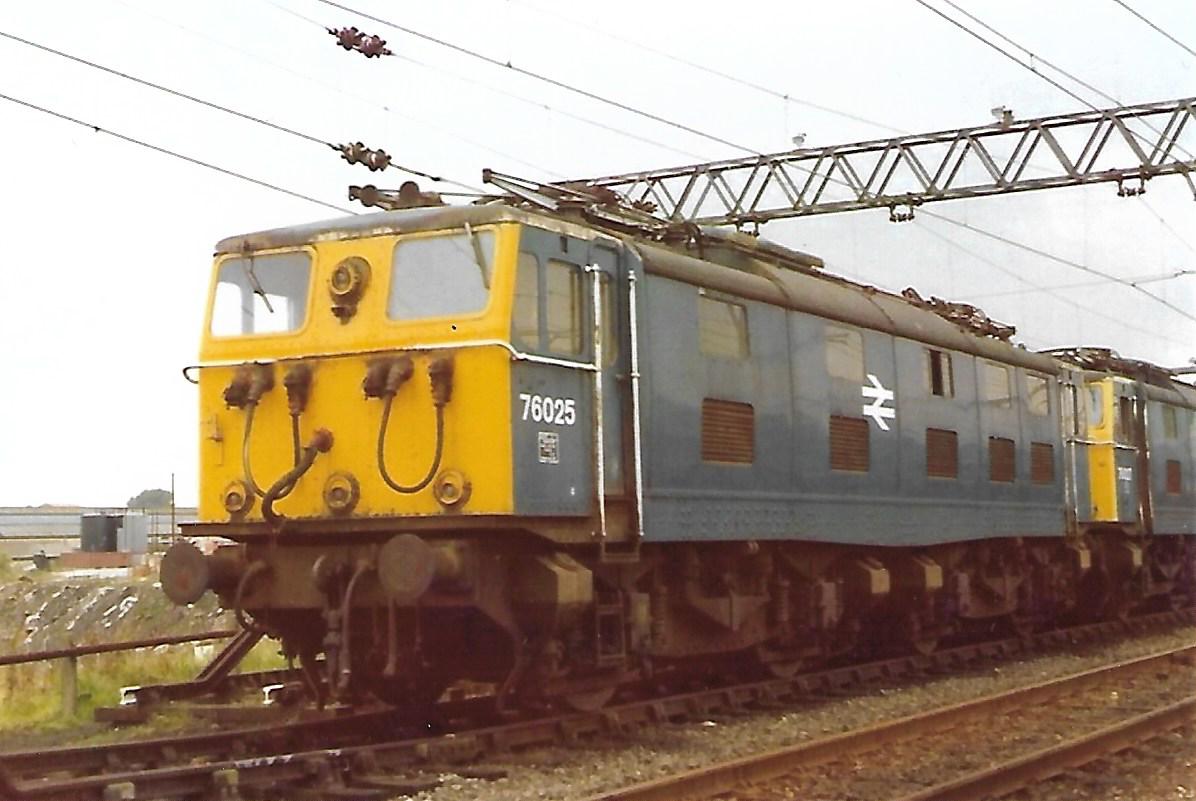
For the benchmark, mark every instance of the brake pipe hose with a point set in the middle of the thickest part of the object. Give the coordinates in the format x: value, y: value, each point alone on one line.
x: 246, y: 463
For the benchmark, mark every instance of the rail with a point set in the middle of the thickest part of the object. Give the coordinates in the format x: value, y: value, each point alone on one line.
x: 305, y: 757
x: 736, y: 774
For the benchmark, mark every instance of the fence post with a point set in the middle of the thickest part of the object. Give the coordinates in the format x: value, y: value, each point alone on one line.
x: 69, y: 673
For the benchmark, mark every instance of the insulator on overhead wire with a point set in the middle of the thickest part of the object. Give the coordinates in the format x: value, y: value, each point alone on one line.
x: 408, y: 196
x: 358, y: 153
x: 368, y: 45
x: 368, y: 195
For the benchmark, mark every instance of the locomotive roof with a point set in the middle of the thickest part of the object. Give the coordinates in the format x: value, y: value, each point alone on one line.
x: 754, y: 273
x: 839, y: 299
x: 426, y: 218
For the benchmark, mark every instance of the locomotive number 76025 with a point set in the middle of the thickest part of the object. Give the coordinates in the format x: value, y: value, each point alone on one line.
x: 547, y: 409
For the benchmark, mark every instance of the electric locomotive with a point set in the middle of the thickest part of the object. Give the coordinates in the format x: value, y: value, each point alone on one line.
x: 498, y: 444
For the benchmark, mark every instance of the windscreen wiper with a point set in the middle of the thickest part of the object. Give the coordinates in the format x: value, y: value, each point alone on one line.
x: 478, y: 255
x: 247, y: 266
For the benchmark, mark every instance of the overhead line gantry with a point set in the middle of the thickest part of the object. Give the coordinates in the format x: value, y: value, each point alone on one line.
x: 902, y: 172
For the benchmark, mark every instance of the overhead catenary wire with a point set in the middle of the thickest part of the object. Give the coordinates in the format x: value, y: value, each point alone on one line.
x: 1035, y: 57
x: 549, y: 11
x: 340, y: 90
x: 774, y: 93
x: 584, y: 120
x: 1176, y: 234
x: 559, y: 84
x: 175, y: 154
x: 1059, y: 259
x: 1051, y: 291
x: 1189, y: 50
x: 1007, y: 240
x: 1072, y: 94
x: 946, y: 219
x: 516, y: 96
x: 1069, y: 92
x: 217, y: 106
x: 991, y: 44
x: 1145, y: 279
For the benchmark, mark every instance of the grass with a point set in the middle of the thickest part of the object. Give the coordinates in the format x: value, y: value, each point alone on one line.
x: 8, y: 571
x: 31, y: 695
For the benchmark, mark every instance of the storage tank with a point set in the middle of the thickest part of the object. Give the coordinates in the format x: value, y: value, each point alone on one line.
x: 97, y: 533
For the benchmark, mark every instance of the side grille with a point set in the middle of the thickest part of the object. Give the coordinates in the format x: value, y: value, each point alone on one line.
x: 1000, y: 460
x: 1175, y: 478
x: 942, y: 453
x: 728, y: 431
x: 1042, y: 463
x: 849, y: 444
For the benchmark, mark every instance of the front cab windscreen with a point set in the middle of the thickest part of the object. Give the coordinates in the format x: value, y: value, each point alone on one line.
x: 441, y: 276
x: 264, y: 294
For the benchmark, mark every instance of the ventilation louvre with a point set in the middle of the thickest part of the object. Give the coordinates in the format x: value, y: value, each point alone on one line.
x: 1042, y: 463
x: 728, y: 431
x: 942, y: 453
x: 849, y: 444
x: 1000, y: 460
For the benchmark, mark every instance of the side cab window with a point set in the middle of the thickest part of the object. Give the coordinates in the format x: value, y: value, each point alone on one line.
x: 551, y: 307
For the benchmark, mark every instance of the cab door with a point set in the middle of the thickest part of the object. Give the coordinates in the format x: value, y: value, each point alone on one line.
x: 566, y: 398
x: 1113, y: 451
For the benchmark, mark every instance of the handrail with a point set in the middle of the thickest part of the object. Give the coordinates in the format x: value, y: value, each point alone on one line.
x: 112, y: 647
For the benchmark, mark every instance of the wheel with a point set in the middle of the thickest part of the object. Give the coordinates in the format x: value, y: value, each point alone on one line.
x: 588, y: 700
x: 776, y: 663
x: 916, y: 636
x: 415, y: 700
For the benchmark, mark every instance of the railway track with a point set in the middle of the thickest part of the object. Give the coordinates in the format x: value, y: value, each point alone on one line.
x: 1113, y: 707
x: 374, y: 754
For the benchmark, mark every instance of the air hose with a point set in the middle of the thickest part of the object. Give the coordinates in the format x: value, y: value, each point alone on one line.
x: 427, y: 479
x: 245, y: 465
x: 246, y: 389
x: 321, y: 442
x: 440, y: 373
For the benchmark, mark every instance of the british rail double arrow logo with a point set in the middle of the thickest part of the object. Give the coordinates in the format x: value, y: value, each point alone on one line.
x: 880, y: 396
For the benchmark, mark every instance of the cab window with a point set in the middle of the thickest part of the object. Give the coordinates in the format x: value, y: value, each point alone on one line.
x: 264, y: 294
x: 441, y: 276
x: 1096, y: 406
x: 562, y: 307
x: 1123, y: 422
x: 525, y: 314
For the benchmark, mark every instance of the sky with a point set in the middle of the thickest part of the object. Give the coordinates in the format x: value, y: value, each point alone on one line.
x: 108, y: 245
